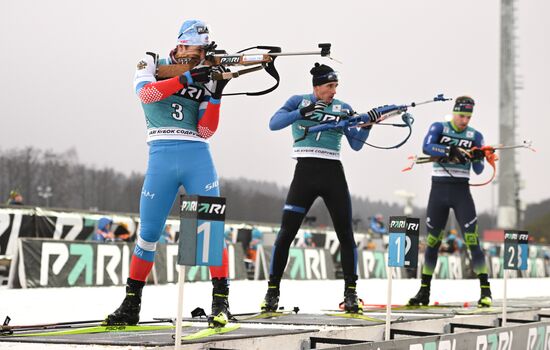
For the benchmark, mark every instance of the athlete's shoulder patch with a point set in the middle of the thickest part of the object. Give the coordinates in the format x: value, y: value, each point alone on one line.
x: 147, y: 63
x: 305, y: 102
x: 337, y: 108
x: 141, y: 65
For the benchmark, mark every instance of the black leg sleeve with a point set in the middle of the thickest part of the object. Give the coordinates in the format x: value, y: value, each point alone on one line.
x: 299, y: 199
x: 337, y: 198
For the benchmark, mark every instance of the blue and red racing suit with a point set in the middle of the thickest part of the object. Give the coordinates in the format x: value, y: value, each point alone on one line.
x: 179, y: 118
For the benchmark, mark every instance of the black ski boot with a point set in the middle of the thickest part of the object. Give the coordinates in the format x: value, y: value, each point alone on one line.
x: 271, y: 300
x: 486, y: 299
x: 220, y: 303
x: 128, y: 312
x: 423, y: 295
x: 351, y: 303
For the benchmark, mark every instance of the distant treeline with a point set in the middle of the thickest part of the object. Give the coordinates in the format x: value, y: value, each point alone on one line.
x: 73, y: 185
x: 77, y: 186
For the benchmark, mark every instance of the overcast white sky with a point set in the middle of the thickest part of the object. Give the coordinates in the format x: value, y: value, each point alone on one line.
x: 67, y: 69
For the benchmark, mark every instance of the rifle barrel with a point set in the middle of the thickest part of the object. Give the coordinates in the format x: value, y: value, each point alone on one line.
x: 511, y: 147
x: 274, y: 54
x: 294, y: 53
x: 421, y: 103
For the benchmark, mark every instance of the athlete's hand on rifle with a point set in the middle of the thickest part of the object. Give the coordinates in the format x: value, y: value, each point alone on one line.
x: 456, y: 154
x: 372, y: 116
x: 220, y: 84
x: 196, y: 75
x: 477, y: 154
x: 311, y: 109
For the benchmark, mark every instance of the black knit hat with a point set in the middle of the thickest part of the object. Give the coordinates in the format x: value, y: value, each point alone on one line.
x: 323, y: 74
x: 464, y: 104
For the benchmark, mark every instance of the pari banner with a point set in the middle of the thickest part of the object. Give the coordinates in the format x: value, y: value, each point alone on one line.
x: 36, y: 222
x: 201, y: 230
x: 516, y: 250
x: 403, y: 242
x: 57, y: 263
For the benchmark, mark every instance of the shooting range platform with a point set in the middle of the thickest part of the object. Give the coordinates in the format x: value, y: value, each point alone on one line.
x: 305, y: 331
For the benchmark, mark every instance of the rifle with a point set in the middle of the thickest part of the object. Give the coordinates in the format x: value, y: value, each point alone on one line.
x: 350, y: 119
x: 489, y: 152
x: 253, y: 62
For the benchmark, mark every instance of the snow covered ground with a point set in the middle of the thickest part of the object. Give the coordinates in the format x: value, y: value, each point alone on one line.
x: 41, y: 305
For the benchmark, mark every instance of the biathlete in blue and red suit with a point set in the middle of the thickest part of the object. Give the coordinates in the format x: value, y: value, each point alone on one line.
x: 181, y: 113
x: 452, y: 142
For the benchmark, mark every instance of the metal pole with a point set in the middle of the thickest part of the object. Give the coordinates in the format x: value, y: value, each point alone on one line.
x: 388, y: 304
x: 507, y: 181
x: 504, y: 302
x: 181, y: 282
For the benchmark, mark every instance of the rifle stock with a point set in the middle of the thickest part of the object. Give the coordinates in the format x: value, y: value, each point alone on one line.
x: 167, y: 71
x: 173, y: 70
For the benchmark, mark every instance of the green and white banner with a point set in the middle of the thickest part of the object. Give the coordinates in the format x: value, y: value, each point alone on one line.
x: 58, y: 263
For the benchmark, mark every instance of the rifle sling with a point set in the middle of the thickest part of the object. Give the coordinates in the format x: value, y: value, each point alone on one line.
x: 269, y: 68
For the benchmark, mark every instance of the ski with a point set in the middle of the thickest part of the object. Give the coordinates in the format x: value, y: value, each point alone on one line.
x: 356, y: 316
x: 477, y: 310
x: 264, y: 315
x: 379, y: 307
x: 100, y: 329
x: 461, y: 308
x: 209, y: 332
x: 199, y: 313
x: 6, y: 329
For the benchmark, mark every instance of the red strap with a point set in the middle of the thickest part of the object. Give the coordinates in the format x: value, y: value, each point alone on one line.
x: 491, y: 157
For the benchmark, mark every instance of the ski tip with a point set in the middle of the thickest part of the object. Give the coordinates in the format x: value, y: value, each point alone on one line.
x: 208, y: 332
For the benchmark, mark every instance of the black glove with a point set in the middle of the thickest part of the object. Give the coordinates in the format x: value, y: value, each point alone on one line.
x: 311, y: 109
x: 456, y: 155
x: 220, y: 84
x: 477, y: 154
x: 373, y: 116
x: 196, y: 75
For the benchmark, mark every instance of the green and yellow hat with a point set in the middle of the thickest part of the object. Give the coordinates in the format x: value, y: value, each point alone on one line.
x: 464, y: 105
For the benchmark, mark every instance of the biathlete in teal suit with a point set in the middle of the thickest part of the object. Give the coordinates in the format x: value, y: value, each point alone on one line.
x: 319, y: 173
